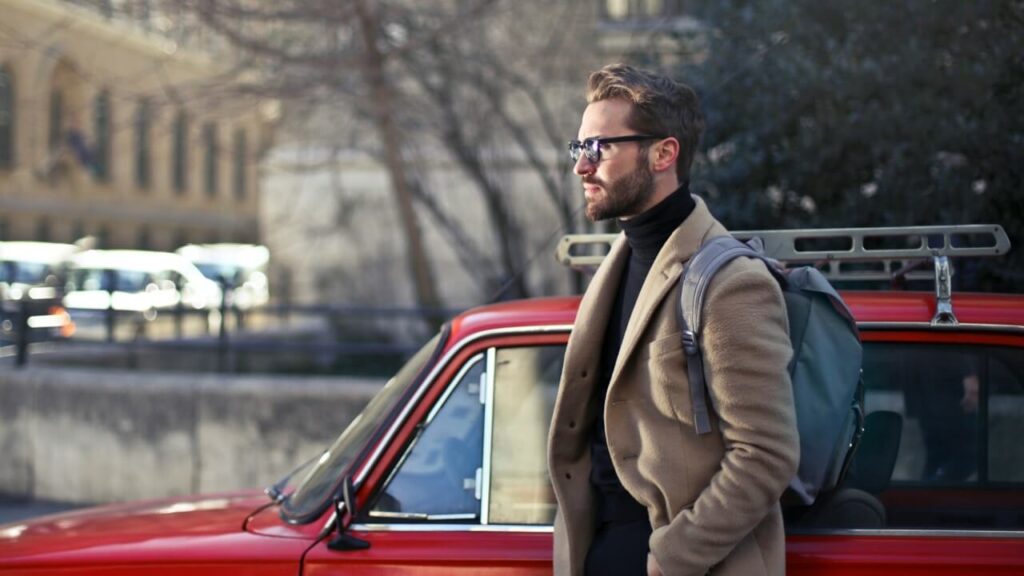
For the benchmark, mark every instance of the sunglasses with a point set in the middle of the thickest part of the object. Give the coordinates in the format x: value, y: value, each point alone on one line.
x: 591, y: 147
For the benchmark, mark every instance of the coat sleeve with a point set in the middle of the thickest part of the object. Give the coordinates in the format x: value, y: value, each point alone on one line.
x: 746, y: 350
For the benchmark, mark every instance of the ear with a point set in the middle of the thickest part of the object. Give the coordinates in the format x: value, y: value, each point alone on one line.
x: 663, y: 155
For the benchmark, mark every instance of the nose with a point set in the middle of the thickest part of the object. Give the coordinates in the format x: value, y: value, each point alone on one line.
x: 583, y: 166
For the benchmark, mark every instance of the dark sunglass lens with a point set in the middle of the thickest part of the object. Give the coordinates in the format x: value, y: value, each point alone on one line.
x: 575, y: 147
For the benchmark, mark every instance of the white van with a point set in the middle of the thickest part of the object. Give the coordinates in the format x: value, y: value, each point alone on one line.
x: 33, y: 269
x: 242, y: 267
x: 137, y: 280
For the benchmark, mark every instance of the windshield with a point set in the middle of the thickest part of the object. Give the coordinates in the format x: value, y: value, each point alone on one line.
x: 98, y: 279
x: 24, y: 272
x: 313, y: 494
x: 224, y: 273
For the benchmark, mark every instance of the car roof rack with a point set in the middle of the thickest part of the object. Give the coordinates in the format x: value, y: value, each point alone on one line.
x: 849, y: 254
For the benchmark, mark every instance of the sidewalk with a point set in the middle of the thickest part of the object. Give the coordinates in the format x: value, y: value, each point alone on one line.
x: 15, y: 510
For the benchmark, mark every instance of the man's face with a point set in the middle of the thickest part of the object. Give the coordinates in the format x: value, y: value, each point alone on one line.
x: 621, y: 184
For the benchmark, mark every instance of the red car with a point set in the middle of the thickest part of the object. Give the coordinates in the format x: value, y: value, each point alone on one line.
x: 444, y: 472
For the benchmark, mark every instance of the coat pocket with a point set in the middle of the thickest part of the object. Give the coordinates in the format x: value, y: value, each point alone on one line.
x: 670, y: 387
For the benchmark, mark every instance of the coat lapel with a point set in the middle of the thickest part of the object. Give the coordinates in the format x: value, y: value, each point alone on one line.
x: 584, y: 350
x: 664, y: 274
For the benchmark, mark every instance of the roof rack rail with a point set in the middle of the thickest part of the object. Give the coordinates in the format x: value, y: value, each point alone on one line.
x: 851, y: 254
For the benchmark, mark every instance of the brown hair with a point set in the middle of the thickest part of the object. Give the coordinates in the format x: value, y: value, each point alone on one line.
x: 661, y: 106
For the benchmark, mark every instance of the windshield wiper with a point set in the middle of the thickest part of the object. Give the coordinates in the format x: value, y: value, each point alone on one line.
x: 276, y: 491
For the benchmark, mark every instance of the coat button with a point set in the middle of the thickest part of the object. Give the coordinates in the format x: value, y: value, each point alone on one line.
x: 568, y: 476
x: 572, y: 424
x: 583, y: 374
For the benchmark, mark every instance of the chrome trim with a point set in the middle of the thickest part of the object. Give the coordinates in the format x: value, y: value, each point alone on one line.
x: 420, y: 516
x: 507, y: 528
x: 944, y: 315
x: 501, y: 528
x: 398, y: 515
x: 910, y: 533
x: 485, y: 491
x: 451, y: 388
x: 961, y: 327
x: 439, y: 366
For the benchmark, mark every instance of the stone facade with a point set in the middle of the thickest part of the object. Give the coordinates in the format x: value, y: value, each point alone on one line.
x: 115, y: 130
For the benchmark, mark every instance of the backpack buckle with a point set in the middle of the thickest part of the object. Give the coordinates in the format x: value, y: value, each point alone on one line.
x: 690, y: 343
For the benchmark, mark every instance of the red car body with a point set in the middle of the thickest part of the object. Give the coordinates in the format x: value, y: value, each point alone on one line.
x: 247, y: 534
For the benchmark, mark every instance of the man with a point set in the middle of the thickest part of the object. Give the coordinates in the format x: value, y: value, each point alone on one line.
x: 639, y: 491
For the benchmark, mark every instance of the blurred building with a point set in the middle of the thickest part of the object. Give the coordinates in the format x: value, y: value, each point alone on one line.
x: 119, y: 121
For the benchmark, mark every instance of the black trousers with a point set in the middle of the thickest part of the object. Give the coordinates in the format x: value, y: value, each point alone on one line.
x: 619, y: 549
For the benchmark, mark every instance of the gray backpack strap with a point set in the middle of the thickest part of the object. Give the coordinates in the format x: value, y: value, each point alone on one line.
x: 697, y: 275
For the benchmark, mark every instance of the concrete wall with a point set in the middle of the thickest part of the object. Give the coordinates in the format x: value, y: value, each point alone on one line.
x: 94, y: 436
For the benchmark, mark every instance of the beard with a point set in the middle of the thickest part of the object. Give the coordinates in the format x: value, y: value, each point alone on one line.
x: 625, y: 196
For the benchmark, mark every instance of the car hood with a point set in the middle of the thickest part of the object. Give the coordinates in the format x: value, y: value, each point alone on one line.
x: 151, y: 528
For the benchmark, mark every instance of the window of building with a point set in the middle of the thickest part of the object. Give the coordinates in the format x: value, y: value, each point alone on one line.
x: 101, y: 118
x: 180, y: 238
x: 103, y: 237
x: 43, y: 230
x: 143, y: 240
x: 56, y: 126
x: 179, y: 161
x: 6, y: 119
x: 210, y: 158
x: 240, y: 164
x: 77, y: 230
x: 143, y: 121
x: 632, y: 10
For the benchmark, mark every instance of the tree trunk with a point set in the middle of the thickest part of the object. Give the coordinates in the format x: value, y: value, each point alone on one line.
x: 383, y: 106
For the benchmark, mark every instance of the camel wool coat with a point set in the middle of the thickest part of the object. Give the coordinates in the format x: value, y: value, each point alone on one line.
x: 712, y: 499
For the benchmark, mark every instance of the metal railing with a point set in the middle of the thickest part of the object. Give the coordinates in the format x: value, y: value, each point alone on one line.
x: 224, y: 335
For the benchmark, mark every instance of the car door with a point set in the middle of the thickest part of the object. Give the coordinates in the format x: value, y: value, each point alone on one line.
x: 937, y: 486
x: 469, y: 491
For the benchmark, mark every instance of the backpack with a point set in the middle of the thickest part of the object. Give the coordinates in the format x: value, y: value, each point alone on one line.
x: 825, y: 369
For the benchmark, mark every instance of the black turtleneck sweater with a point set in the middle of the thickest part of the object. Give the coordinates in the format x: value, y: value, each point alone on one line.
x: 646, y: 234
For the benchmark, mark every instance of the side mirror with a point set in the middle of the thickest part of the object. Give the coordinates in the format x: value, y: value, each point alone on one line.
x: 344, y: 541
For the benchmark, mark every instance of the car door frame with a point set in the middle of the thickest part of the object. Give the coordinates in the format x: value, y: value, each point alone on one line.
x: 520, y: 550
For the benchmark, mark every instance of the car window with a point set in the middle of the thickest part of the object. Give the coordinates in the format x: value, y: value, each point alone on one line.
x: 314, y: 492
x: 438, y: 476
x: 525, y: 386
x: 960, y: 461
x: 936, y: 391
x: 481, y: 455
x: 132, y: 280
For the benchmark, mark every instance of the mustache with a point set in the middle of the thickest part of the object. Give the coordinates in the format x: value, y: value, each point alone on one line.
x: 593, y: 181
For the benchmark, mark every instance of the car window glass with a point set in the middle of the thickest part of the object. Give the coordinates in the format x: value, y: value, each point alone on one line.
x: 132, y: 280
x: 1005, y: 417
x: 959, y: 461
x: 525, y: 386
x: 314, y: 492
x: 437, y: 477
x: 935, y: 389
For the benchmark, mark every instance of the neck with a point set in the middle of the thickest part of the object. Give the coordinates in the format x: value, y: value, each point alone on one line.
x: 648, y: 231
